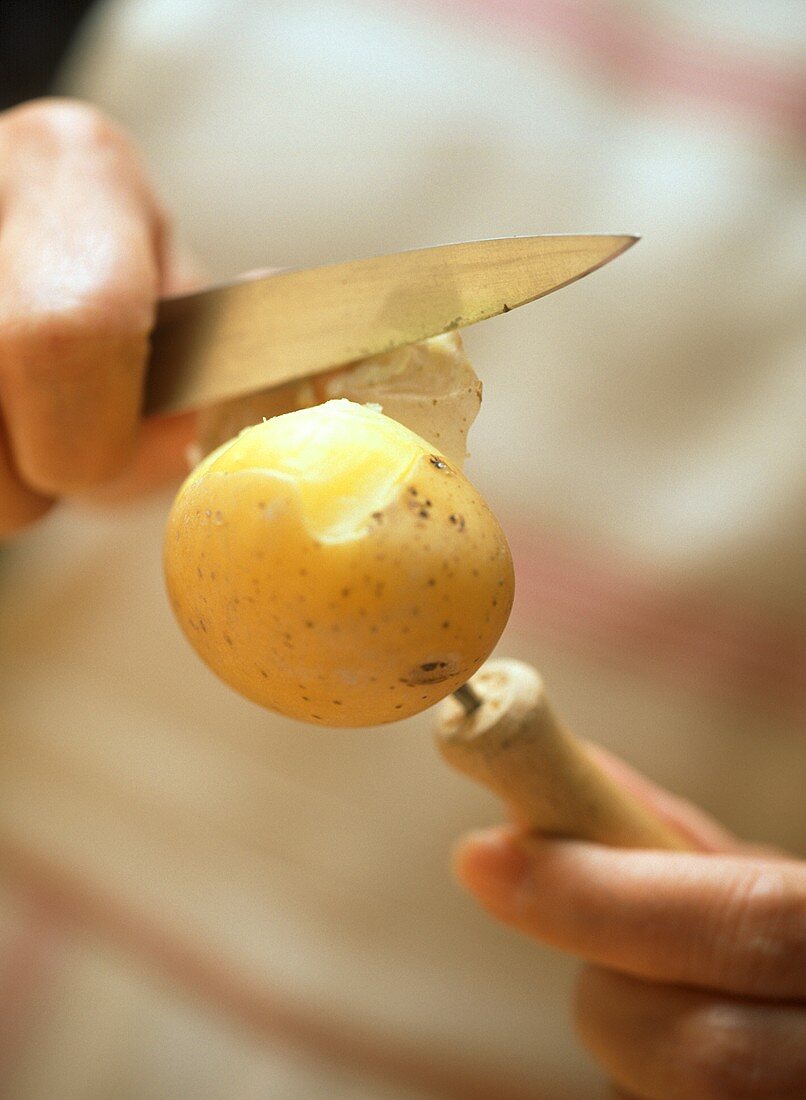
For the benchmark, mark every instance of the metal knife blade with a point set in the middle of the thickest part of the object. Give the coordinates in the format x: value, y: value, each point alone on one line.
x: 247, y: 336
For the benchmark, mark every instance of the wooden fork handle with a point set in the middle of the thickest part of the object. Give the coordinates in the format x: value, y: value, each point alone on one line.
x: 513, y: 743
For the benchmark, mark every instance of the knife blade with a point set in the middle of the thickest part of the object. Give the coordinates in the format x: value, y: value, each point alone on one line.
x: 247, y: 336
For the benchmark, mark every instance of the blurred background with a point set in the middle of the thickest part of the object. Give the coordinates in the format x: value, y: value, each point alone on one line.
x: 203, y: 900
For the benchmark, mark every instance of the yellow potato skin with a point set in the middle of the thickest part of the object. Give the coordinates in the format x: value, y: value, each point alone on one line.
x: 352, y: 632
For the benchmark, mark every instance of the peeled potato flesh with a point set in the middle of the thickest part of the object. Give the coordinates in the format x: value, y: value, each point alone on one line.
x: 330, y: 565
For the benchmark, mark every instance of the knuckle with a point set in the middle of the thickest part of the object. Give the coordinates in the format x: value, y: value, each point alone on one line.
x: 52, y: 345
x: 730, y: 1054
x: 61, y: 330
x: 761, y: 932
x: 68, y: 122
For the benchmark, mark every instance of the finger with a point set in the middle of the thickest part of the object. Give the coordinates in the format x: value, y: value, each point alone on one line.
x: 161, y: 456
x: 721, y: 922
x: 180, y: 271
x: 19, y: 505
x: 668, y: 1043
x: 163, y: 446
x: 79, y: 277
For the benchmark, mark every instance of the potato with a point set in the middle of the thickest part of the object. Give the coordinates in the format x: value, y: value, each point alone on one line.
x: 330, y: 565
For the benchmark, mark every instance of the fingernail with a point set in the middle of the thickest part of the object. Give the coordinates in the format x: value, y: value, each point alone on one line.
x: 492, y: 865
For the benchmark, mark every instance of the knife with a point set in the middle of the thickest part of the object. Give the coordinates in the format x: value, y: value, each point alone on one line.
x: 259, y: 332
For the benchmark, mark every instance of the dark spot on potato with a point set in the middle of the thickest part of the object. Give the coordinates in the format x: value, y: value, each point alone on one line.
x: 431, y: 672
x: 435, y: 460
